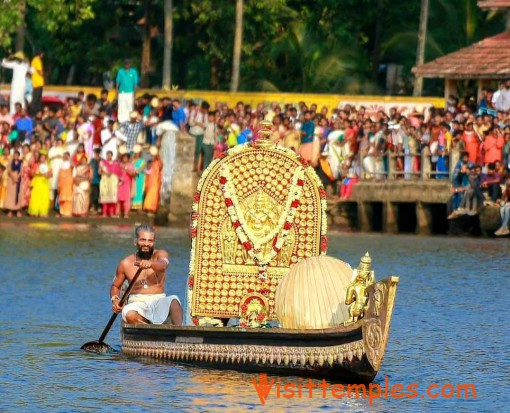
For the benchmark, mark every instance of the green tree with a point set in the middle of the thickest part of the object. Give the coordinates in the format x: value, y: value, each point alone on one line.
x: 302, y: 62
x: 52, y: 15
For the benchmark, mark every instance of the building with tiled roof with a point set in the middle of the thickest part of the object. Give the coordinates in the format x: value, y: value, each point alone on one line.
x: 485, y: 61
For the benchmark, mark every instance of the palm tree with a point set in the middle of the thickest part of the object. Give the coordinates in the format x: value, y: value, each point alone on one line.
x: 303, y: 62
x: 20, y: 30
x: 167, y: 48
x: 422, y: 38
x: 146, y: 45
x: 238, y: 42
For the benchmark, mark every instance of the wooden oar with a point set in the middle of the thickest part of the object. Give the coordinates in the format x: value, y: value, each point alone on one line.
x: 100, y: 346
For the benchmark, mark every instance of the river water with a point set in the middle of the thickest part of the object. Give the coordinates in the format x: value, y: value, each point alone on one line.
x: 450, y: 325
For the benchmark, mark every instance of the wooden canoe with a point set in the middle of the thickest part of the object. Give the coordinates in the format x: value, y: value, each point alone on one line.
x: 349, y: 353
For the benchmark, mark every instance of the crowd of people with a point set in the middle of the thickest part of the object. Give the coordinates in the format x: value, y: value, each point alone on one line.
x: 85, y: 157
x: 78, y: 171
x: 78, y: 160
x: 95, y: 155
x: 463, y: 141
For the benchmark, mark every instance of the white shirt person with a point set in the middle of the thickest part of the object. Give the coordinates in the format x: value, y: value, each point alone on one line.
x: 20, y: 67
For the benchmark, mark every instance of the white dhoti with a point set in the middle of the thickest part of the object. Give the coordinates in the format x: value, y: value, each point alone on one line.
x: 153, y: 307
x: 17, y: 96
x: 168, y: 132
x: 125, y: 103
x: 369, y: 166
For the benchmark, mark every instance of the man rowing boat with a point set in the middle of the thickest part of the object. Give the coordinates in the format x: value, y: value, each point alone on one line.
x: 147, y: 303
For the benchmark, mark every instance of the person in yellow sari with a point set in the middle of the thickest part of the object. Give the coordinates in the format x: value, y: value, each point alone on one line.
x: 65, y: 186
x: 39, y: 204
x: 153, y: 182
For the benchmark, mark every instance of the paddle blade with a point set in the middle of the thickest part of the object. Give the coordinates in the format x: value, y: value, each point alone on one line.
x: 97, y: 347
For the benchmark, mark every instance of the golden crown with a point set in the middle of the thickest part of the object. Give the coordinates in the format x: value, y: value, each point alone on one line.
x: 365, y: 264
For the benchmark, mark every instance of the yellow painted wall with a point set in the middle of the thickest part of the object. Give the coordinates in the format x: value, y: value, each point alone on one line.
x: 253, y: 98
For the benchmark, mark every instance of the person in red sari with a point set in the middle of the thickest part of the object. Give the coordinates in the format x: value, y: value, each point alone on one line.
x: 493, y: 146
x: 152, y: 183
x: 109, y: 170
x: 471, y: 142
x: 127, y: 172
x: 80, y: 153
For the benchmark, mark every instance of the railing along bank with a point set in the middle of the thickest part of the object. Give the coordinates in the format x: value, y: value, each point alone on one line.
x: 392, y: 165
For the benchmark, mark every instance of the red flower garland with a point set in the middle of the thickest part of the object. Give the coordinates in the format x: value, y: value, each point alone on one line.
x: 324, y: 244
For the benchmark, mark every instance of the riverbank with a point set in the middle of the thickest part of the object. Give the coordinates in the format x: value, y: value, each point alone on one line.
x: 343, y: 216
x: 133, y: 219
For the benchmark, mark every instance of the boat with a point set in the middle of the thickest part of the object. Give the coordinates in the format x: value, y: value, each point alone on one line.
x: 258, y: 223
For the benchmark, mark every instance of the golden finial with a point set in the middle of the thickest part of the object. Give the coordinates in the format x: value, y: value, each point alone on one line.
x: 264, y: 134
x: 365, y: 264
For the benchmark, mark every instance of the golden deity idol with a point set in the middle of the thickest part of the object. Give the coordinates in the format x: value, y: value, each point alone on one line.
x: 262, y: 213
x: 357, y: 296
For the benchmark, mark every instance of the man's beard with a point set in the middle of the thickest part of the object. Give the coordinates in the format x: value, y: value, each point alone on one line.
x: 145, y: 255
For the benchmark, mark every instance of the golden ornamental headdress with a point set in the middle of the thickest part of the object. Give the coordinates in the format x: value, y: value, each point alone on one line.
x: 264, y: 134
x: 365, y: 264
